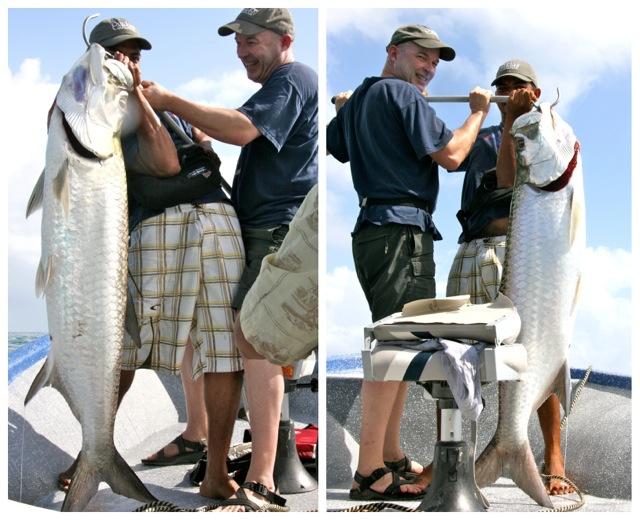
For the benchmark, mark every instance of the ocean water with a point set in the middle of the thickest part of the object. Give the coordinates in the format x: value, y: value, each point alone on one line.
x: 17, y: 339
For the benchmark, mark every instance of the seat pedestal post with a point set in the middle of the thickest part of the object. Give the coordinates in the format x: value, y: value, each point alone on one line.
x: 289, y: 473
x: 453, y: 487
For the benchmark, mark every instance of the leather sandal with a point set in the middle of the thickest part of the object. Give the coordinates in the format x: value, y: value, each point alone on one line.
x: 392, y: 492
x: 275, y: 504
x: 189, y: 452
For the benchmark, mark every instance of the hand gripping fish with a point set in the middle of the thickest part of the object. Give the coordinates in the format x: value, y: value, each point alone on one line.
x: 83, y: 268
x: 545, y: 243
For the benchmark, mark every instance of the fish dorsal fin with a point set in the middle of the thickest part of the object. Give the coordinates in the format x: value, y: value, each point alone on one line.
x: 35, y: 201
x: 43, y: 275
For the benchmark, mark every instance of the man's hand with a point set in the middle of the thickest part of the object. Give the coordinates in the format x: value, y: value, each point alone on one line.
x: 520, y: 102
x: 480, y: 100
x: 341, y: 99
x: 156, y: 95
x: 134, y: 67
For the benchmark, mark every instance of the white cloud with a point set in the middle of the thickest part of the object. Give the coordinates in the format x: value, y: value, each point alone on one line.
x: 230, y: 90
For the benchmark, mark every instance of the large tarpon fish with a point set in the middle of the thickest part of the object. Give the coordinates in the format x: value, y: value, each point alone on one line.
x: 83, y: 267
x: 545, y: 243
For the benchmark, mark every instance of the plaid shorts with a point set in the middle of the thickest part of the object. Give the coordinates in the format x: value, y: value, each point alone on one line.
x: 184, y: 266
x: 477, y: 269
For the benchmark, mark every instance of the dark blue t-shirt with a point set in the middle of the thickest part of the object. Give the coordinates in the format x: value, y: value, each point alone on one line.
x: 387, y: 131
x: 276, y: 170
x: 482, y: 158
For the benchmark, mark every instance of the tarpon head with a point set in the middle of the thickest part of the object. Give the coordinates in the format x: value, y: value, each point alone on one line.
x: 544, y: 144
x: 93, y: 98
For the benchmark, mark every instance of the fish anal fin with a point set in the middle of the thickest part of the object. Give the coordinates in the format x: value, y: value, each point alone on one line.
x: 43, y: 275
x: 131, y: 321
x: 42, y: 379
x: 35, y: 201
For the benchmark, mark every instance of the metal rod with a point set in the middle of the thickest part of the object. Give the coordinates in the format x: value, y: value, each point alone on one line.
x: 452, y: 99
x: 84, y: 27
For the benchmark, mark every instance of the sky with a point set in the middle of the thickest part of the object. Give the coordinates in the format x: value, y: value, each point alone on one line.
x: 188, y: 56
x: 593, y: 75
x: 585, y: 53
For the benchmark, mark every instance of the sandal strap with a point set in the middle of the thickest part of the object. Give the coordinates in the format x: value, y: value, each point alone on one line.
x: 263, y: 490
x: 241, y: 500
x: 400, y: 466
x: 185, y: 444
x: 365, y: 482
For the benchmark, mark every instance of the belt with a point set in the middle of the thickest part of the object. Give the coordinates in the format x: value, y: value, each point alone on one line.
x: 412, y: 202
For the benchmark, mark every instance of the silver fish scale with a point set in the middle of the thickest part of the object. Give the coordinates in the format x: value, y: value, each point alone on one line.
x: 86, y: 294
x: 540, y: 278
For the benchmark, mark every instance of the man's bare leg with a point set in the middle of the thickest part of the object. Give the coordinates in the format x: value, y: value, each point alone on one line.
x: 221, y: 397
x: 126, y: 379
x: 196, y: 428
x: 392, y: 450
x: 264, y: 384
x: 378, y: 400
x: 549, y: 417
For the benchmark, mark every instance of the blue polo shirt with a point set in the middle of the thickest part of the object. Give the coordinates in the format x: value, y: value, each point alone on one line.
x: 482, y: 158
x: 276, y: 170
x: 387, y: 131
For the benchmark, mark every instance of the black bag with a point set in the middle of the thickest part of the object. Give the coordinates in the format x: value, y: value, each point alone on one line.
x: 199, y: 175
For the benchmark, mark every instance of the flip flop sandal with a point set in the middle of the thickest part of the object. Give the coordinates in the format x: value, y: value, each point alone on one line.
x: 276, y: 504
x: 392, y: 492
x: 189, y: 452
x: 402, y: 467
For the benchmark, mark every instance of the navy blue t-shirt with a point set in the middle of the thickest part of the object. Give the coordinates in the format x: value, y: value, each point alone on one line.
x: 276, y: 170
x: 387, y: 131
x: 482, y: 158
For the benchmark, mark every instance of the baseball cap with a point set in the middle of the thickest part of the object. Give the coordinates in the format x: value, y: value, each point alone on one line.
x: 113, y: 31
x: 424, y: 37
x: 518, y: 69
x: 253, y: 20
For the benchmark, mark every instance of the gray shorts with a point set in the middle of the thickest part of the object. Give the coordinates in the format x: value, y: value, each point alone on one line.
x: 395, y: 265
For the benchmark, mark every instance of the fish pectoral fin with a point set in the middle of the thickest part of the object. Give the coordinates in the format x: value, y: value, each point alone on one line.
x: 35, y: 201
x: 61, y: 186
x: 42, y: 379
x: 131, y: 321
x: 43, y: 275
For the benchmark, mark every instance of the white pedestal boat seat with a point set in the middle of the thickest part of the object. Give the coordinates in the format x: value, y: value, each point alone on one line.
x: 453, y: 487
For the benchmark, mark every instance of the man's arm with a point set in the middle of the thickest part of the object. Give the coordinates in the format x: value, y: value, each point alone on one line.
x: 457, y: 149
x: 520, y: 102
x: 224, y: 124
x: 157, y: 153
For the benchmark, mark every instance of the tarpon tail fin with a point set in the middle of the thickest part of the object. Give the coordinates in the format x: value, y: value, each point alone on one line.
x: 42, y: 379
x: 519, y: 465
x: 35, y: 201
x: 115, y: 472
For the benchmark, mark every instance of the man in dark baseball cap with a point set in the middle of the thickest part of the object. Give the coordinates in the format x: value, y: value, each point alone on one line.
x: 517, y: 69
x: 252, y: 20
x: 424, y: 37
x: 112, y: 32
